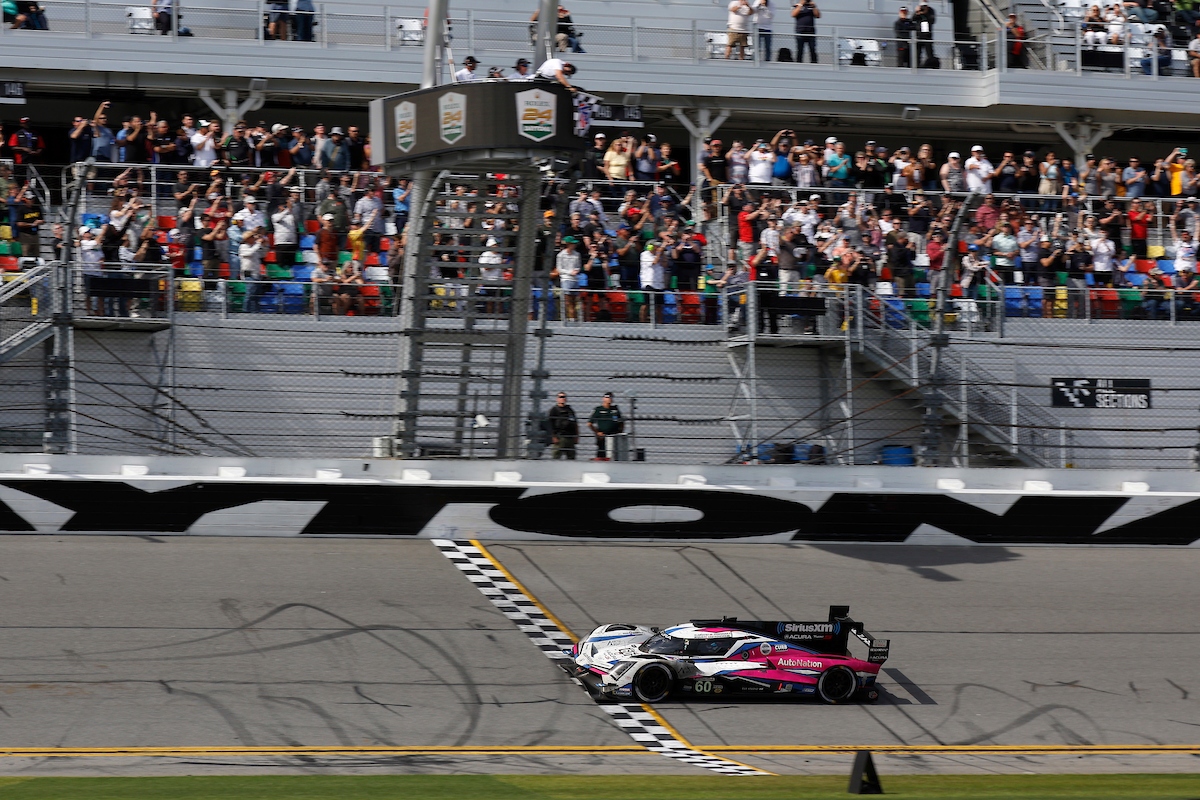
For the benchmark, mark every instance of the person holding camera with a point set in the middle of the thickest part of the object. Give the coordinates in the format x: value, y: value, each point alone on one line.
x: 806, y: 14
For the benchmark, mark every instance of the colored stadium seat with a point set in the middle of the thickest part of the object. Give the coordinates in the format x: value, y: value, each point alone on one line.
x: 372, y: 303
x: 295, y: 298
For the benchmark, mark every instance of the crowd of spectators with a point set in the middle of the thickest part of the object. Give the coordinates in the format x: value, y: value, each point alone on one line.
x: 786, y: 209
x: 879, y: 216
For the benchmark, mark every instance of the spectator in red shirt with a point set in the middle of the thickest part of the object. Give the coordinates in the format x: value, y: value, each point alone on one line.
x: 747, y: 239
x: 327, y: 243
x: 935, y: 248
x: 1139, y: 226
x: 987, y: 215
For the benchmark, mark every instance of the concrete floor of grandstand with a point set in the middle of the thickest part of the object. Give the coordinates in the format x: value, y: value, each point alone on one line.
x: 226, y: 643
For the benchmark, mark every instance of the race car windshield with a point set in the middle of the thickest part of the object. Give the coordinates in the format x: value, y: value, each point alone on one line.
x: 665, y: 645
x: 670, y: 646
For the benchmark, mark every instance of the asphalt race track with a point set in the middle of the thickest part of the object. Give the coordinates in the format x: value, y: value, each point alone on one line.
x: 232, y: 643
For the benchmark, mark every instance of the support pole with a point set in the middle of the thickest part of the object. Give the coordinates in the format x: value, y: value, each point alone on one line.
x: 1083, y: 136
x: 412, y: 317
x: 434, y: 33
x: 511, y: 418
x: 547, y: 27
x: 702, y: 128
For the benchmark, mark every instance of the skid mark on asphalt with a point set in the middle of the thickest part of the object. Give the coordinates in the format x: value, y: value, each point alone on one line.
x: 553, y: 638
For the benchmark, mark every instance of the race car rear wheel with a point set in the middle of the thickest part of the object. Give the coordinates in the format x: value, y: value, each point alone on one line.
x: 653, y: 683
x: 837, y: 684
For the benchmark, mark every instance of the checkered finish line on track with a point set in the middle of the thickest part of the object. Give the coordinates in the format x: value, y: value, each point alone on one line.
x: 512, y: 601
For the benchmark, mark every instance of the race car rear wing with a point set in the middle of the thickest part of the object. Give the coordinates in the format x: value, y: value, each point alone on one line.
x: 831, y: 636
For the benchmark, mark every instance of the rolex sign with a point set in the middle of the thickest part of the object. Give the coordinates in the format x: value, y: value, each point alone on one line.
x: 535, y: 114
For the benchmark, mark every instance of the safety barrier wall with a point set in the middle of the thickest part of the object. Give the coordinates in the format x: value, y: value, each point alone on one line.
x: 578, y: 500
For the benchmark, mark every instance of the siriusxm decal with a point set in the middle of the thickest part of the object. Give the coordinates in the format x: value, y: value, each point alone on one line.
x: 810, y: 628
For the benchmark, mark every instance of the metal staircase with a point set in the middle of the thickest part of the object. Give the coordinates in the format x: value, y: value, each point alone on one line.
x: 978, y: 407
x: 35, y: 309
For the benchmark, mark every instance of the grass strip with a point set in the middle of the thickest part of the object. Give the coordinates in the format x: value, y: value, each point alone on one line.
x: 596, y: 787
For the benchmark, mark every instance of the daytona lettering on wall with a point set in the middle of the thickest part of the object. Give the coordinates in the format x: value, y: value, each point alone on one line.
x: 391, y: 510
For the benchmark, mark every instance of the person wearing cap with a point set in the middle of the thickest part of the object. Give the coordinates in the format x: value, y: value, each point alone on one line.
x: 250, y: 216
x: 565, y: 35
x: 903, y: 29
x: 1155, y: 294
x: 606, y: 420
x: 205, y: 144
x: 555, y: 69
x: 591, y: 167
x: 923, y: 19
x: 1014, y: 33
x: 714, y: 166
x: 521, y: 71
x: 338, y: 151
x: 563, y: 427
x: 467, y: 73
x: 979, y: 171
x: 300, y: 148
x: 238, y: 150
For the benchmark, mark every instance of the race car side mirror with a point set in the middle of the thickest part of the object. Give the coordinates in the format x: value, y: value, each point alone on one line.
x: 656, y: 630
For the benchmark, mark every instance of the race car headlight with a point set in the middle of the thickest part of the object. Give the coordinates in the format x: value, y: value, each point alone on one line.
x: 620, y: 669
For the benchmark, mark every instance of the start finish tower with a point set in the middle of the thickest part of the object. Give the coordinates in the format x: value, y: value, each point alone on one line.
x: 477, y: 153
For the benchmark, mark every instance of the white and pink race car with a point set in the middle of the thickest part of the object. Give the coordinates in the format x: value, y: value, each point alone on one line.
x: 727, y: 657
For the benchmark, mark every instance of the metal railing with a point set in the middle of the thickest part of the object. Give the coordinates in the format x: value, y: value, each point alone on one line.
x: 385, y: 27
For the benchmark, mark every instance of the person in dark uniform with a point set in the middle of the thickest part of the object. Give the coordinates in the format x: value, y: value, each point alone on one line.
x: 766, y: 272
x: 564, y: 429
x: 903, y: 29
x: 606, y: 420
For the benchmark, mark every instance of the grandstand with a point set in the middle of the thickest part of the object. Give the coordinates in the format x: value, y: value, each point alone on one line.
x: 187, y: 354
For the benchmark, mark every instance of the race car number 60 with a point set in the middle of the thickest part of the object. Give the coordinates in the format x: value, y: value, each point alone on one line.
x: 703, y: 687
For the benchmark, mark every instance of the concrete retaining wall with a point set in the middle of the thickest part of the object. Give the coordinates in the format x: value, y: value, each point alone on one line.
x: 577, y: 500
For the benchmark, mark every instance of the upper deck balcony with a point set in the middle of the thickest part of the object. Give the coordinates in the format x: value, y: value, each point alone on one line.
x: 670, y: 53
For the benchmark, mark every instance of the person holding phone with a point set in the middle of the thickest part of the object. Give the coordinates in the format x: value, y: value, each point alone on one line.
x: 806, y: 14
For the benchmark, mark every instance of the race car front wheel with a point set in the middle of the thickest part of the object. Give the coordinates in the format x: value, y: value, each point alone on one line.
x: 837, y: 684
x: 653, y: 682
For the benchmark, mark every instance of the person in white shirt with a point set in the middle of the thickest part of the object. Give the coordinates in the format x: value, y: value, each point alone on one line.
x: 467, y: 73
x: 521, y: 71
x: 979, y: 171
x: 251, y: 252
x: 491, y: 269
x: 1185, y: 250
x: 763, y: 16
x: 204, y: 143
x: 569, y: 263
x: 249, y: 217
x: 1103, y: 251
x: 738, y: 28
x: 761, y: 163
x: 555, y: 69
x: 490, y: 262
x: 769, y: 238
x: 653, y: 279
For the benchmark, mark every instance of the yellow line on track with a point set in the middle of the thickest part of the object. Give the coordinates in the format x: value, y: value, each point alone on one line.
x: 562, y: 627
x: 517, y: 750
x: 992, y: 749
x: 92, y: 752
x: 521, y: 587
